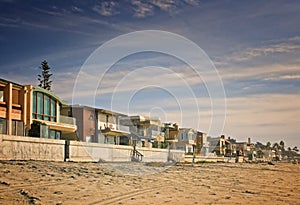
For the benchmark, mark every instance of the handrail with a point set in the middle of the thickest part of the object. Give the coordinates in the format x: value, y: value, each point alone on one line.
x: 136, y: 155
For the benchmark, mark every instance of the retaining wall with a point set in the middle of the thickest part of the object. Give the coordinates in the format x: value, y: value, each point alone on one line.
x: 30, y: 148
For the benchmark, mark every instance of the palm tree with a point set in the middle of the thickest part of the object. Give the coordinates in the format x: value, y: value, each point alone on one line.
x: 282, y: 144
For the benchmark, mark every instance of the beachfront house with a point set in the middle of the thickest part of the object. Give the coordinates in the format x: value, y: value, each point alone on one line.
x: 219, y: 146
x: 21, y: 107
x: 245, y: 149
x: 171, y: 133
x: 85, y: 121
x: 187, y: 140
x: 99, y: 125
x: 111, y: 129
x: 144, y: 130
x: 13, y: 108
x: 46, y: 109
x: 201, y: 147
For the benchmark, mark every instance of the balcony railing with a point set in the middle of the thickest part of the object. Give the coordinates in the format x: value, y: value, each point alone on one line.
x: 124, y: 128
x: 67, y: 120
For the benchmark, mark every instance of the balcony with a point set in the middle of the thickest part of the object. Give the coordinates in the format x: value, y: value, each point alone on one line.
x: 65, y: 124
x: 67, y: 120
x: 114, y: 129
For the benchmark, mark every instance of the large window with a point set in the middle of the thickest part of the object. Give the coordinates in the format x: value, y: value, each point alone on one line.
x: 3, y: 127
x: 44, y: 107
x: 55, y: 134
x: 17, y: 128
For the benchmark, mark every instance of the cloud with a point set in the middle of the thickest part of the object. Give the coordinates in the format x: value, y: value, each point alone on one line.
x: 141, y: 9
x: 107, y: 8
x: 52, y: 11
x: 166, y: 5
x: 287, y: 46
x: 284, y: 77
x: 76, y: 9
x: 266, y: 72
x: 10, y: 22
x: 272, y: 116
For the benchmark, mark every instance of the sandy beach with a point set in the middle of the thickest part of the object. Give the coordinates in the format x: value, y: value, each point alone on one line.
x: 40, y: 182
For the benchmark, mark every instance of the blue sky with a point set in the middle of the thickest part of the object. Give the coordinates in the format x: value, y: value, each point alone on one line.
x: 254, y: 45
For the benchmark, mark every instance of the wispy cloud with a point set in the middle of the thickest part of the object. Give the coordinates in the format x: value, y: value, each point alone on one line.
x: 287, y: 46
x: 9, y: 22
x: 107, y: 8
x: 142, y: 9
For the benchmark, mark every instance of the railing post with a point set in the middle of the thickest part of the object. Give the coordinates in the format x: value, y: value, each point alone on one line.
x: 67, y: 150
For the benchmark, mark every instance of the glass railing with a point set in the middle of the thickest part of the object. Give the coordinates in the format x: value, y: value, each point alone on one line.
x: 123, y: 128
x: 67, y: 120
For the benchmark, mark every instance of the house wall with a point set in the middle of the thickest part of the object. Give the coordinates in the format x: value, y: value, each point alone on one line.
x: 29, y: 148
x: 85, y: 121
x: 13, y: 107
x: 89, y: 130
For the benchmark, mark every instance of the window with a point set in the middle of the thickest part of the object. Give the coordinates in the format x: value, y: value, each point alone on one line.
x: 3, y: 127
x: 91, y: 117
x: 55, y: 134
x: 53, y: 110
x: 15, y: 96
x: 44, y: 107
x: 52, y: 134
x: 17, y: 128
x: 1, y: 96
x: 40, y: 106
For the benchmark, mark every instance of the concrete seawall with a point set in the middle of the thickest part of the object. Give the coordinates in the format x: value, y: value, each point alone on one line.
x: 29, y: 148
x: 84, y: 151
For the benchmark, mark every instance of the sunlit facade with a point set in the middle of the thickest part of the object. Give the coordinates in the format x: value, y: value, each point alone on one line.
x: 46, y: 108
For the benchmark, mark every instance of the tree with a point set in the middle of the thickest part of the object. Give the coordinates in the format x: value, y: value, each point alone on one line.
x: 275, y: 146
x: 268, y: 145
x: 44, y: 78
x: 282, y: 144
x: 296, y: 149
x: 260, y: 154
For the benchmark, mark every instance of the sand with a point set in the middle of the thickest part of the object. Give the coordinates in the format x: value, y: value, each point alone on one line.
x: 39, y: 182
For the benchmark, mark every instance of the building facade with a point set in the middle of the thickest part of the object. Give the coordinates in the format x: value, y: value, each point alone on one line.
x: 13, y: 107
x: 21, y: 106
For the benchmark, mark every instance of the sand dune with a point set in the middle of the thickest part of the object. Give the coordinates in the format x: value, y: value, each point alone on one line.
x: 39, y: 182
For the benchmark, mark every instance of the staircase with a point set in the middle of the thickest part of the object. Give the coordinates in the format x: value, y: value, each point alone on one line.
x: 136, y: 156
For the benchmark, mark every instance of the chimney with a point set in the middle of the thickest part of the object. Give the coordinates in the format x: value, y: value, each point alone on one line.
x: 249, y: 140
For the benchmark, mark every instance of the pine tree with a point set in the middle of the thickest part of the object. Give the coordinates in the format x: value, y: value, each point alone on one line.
x: 44, y: 78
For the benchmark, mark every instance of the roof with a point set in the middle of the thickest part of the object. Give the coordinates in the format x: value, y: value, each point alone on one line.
x: 42, y: 90
x: 7, y: 81
x: 98, y: 109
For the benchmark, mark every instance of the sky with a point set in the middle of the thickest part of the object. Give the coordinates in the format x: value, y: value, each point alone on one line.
x: 254, y: 47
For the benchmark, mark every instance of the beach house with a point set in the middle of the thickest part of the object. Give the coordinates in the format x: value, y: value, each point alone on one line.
x: 99, y: 125
x: 21, y: 107
x: 144, y: 130
x: 187, y: 140
x: 13, y: 108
